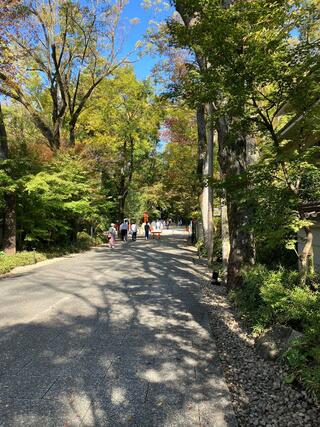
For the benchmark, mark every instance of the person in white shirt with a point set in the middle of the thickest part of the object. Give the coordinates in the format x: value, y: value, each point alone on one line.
x: 134, y: 230
x: 124, y: 230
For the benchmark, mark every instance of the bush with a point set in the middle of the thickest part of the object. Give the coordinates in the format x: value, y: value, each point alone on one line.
x: 308, y: 370
x: 8, y: 262
x: 303, y: 362
x: 84, y: 241
x: 202, y: 249
x: 96, y: 241
x: 274, y: 296
x: 249, y: 299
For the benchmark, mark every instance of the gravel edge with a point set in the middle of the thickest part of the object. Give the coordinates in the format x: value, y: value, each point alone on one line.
x: 259, y: 396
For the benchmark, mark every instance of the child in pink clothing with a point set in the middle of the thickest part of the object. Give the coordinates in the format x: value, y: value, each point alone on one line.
x: 112, y: 236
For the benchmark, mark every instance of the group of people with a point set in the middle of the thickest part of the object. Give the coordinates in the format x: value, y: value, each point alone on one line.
x: 125, y: 228
x: 131, y: 229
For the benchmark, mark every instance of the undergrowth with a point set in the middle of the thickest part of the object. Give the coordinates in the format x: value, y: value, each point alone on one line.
x: 271, y: 297
x: 9, y: 262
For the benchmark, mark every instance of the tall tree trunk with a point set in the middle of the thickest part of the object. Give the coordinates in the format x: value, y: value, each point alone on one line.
x: 3, y: 156
x: 202, y: 138
x: 209, y: 170
x: 205, y: 146
x: 305, y: 257
x: 205, y: 172
x: 9, y: 223
x: 10, y: 232
x: 225, y: 238
x: 3, y: 138
x: 234, y: 157
x: 202, y: 170
x: 72, y: 137
x: 233, y: 162
x: 126, y: 173
x: 122, y: 197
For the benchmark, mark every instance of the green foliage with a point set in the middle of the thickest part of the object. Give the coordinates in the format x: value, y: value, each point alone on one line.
x: 277, y: 192
x: 84, y: 241
x: 249, y: 300
x: 274, y: 296
x: 202, y: 248
x: 263, y: 73
x: 7, y: 184
x: 148, y: 198
x: 166, y: 183
x: 258, y: 51
x: 62, y: 198
x: 55, y: 198
x: 303, y: 363
x: 121, y: 137
x: 114, y: 170
x: 178, y: 167
x: 8, y: 262
x: 53, y: 81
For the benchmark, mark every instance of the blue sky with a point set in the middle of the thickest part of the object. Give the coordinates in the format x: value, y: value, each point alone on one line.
x: 135, y: 10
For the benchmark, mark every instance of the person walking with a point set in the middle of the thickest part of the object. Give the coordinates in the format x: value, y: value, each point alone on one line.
x: 147, y: 230
x: 124, y: 230
x: 134, y: 230
x: 112, y: 236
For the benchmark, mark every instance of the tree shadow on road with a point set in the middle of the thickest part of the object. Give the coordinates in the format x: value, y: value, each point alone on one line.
x: 128, y: 352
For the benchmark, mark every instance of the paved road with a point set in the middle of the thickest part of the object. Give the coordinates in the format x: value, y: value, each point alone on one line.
x: 110, y: 338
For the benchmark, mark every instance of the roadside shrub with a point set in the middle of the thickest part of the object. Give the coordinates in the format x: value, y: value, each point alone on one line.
x: 201, y: 247
x: 97, y: 241
x: 84, y: 241
x: 249, y: 300
x: 275, y: 296
x: 303, y: 362
x: 8, y: 262
x: 287, y: 304
x: 310, y: 378
x: 217, y: 249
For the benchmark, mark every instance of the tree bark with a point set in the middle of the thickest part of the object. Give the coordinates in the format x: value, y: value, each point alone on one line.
x: 9, y: 223
x: 305, y: 256
x: 205, y: 146
x: 202, y: 138
x: 3, y: 138
x: 205, y: 173
x: 126, y: 173
x: 225, y: 238
x: 233, y: 162
x: 210, y: 153
x: 202, y: 166
x: 72, y: 136
x: 10, y: 232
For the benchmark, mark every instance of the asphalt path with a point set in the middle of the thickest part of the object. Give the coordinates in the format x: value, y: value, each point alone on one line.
x: 110, y: 338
